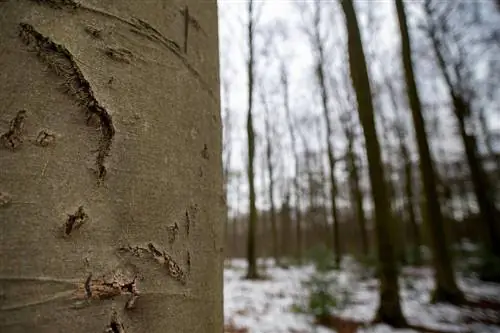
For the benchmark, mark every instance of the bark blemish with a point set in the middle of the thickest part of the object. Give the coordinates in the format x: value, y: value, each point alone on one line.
x: 45, y: 138
x: 115, y: 326
x: 204, y: 152
x: 191, y: 213
x: 103, y: 288
x: 12, y: 139
x: 119, y: 54
x: 5, y: 199
x: 162, y: 257
x: 188, y: 261
x: 62, y: 62
x: 75, y: 221
x: 188, y: 222
x: 185, y: 12
x: 93, y: 32
x: 172, y: 232
x: 59, y: 4
x: 189, y: 19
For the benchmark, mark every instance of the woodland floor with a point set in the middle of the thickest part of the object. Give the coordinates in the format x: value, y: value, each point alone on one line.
x: 270, y: 305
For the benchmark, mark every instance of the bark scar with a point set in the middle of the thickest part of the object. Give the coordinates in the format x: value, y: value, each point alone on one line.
x: 12, y: 139
x: 62, y: 62
x: 75, y: 221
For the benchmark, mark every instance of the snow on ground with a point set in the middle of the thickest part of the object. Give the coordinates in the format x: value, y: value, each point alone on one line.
x: 267, y: 306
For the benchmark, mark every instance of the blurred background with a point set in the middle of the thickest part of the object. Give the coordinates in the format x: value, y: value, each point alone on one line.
x: 362, y: 165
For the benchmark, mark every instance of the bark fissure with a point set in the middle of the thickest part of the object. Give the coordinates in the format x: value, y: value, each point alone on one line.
x: 62, y: 62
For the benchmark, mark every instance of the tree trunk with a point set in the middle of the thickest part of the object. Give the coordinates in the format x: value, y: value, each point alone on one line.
x: 483, y: 190
x: 270, y: 170
x: 296, y: 189
x: 111, y: 186
x: 389, y: 310
x: 408, y: 187
x: 446, y: 287
x: 357, y: 193
x: 320, y: 73
x: 252, y: 219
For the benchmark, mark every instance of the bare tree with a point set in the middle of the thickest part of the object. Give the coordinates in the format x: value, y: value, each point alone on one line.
x: 389, y: 310
x: 446, y: 289
x: 271, y: 174
x: 320, y: 71
x: 453, y: 64
x: 293, y: 136
x: 252, y: 219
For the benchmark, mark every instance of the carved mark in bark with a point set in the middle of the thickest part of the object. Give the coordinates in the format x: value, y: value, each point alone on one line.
x: 45, y: 138
x: 62, y: 62
x: 189, y: 19
x: 190, y: 217
x: 103, y: 288
x: 75, y: 221
x: 185, y: 12
x: 188, y: 222
x: 188, y: 261
x: 119, y: 54
x: 163, y: 258
x: 5, y: 199
x: 12, y: 139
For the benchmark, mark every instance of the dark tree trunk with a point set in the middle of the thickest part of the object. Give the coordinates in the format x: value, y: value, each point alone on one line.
x: 389, y: 310
x: 446, y: 287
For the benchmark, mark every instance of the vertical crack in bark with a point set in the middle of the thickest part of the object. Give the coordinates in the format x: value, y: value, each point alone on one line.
x: 62, y: 62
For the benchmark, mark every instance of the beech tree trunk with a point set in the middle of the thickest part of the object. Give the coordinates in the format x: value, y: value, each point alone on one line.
x: 389, y: 310
x: 112, y: 203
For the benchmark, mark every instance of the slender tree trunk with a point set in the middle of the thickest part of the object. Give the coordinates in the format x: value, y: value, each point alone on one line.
x: 446, y: 289
x: 270, y: 171
x: 296, y: 189
x: 483, y: 191
x: 408, y: 179
x: 286, y: 223
x: 357, y: 193
x: 490, y: 142
x: 111, y: 206
x: 389, y: 310
x: 252, y: 219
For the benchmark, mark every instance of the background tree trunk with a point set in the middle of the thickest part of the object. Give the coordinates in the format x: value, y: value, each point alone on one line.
x: 252, y: 219
x: 446, y: 289
x: 112, y: 199
x: 389, y: 310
